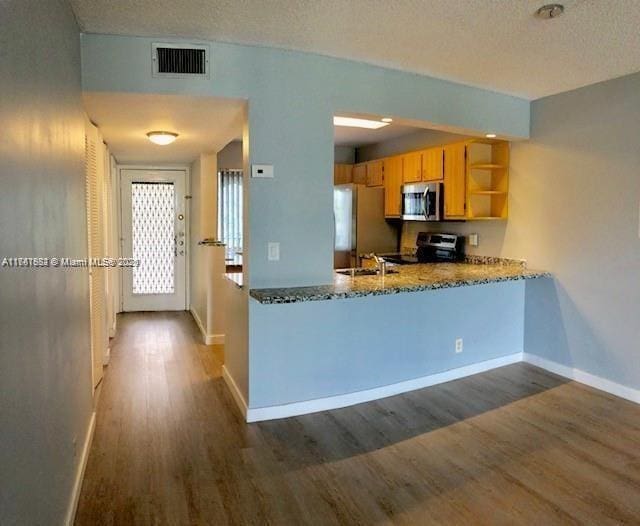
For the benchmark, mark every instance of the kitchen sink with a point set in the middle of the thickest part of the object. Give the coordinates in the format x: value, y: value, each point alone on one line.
x: 360, y: 271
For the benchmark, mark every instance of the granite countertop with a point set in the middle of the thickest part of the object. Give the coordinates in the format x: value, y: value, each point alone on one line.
x: 410, y: 278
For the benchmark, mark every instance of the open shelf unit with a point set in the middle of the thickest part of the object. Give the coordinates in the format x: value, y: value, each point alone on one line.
x: 487, y: 179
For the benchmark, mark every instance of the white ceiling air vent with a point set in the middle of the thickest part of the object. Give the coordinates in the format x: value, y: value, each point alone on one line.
x: 180, y: 60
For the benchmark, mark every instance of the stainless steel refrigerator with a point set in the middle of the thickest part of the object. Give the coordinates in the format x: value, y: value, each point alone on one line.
x: 360, y: 227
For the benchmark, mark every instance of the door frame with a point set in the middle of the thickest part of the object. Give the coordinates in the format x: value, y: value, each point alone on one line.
x: 187, y: 191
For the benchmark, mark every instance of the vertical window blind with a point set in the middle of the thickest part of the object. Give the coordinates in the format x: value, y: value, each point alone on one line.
x: 230, y: 213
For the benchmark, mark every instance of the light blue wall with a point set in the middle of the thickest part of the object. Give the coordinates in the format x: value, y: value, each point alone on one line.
x: 574, y: 194
x: 583, y: 225
x: 45, y: 359
x: 292, y: 97
x: 309, y: 350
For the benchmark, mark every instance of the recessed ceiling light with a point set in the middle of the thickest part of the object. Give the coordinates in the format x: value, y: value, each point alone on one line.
x: 386, y: 119
x: 490, y: 135
x: 162, y: 137
x: 358, y: 123
x: 550, y: 11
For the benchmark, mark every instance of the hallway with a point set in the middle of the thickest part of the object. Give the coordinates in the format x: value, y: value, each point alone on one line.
x: 513, y: 445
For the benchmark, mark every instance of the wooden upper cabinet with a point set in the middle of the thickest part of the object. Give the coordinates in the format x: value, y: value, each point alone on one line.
x: 412, y: 167
x: 393, y: 168
x: 342, y: 173
x: 426, y: 165
x: 454, y: 180
x: 375, y: 173
x: 433, y: 164
x: 359, y: 173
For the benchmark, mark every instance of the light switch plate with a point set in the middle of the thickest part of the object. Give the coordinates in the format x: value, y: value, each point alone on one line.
x: 262, y: 170
x: 273, y: 251
x: 473, y: 240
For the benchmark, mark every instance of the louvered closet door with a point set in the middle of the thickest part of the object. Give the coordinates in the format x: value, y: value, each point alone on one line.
x: 154, y: 226
x: 94, y: 168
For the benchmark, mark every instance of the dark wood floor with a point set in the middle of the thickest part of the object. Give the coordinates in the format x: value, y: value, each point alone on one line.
x: 512, y: 446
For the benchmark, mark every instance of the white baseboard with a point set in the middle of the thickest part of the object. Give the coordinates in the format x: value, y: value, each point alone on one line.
x: 209, y: 339
x: 77, y: 483
x: 198, y: 322
x: 214, y: 339
x: 257, y: 414
x: 235, y: 391
x: 335, y: 402
x: 583, y: 377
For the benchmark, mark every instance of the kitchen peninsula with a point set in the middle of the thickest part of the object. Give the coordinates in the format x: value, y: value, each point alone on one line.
x: 367, y: 337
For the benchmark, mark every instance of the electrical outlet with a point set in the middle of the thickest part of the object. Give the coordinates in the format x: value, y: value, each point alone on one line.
x: 273, y: 251
x: 473, y: 240
x: 459, y: 345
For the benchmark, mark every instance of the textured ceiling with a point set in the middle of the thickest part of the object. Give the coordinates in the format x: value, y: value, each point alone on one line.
x: 497, y: 44
x: 204, y: 124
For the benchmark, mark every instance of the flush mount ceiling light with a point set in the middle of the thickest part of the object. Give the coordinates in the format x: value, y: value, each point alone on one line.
x: 550, y: 11
x: 162, y: 137
x: 386, y: 119
x: 490, y: 135
x: 358, y: 123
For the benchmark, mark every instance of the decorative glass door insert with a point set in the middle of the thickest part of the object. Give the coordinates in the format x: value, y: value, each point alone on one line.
x: 153, y: 237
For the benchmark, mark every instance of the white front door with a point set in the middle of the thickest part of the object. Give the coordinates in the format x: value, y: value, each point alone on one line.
x: 154, y: 226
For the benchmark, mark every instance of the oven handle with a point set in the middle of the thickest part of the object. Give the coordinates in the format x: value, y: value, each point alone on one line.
x: 425, y: 200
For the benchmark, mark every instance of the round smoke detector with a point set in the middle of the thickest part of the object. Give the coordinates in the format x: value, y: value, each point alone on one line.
x: 550, y: 11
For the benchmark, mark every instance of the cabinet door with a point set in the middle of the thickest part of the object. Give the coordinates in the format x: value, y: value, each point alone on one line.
x: 337, y: 174
x: 432, y: 164
x: 342, y: 173
x: 392, y: 186
x: 359, y: 174
x: 375, y: 173
x: 412, y: 167
x: 454, y: 180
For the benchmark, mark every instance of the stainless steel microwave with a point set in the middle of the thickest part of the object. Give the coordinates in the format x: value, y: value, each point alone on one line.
x: 422, y: 202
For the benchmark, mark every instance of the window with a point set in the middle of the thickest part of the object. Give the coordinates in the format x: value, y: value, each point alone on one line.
x: 230, y: 214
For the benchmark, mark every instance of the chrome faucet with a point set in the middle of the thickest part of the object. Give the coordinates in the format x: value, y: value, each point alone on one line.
x: 380, y: 262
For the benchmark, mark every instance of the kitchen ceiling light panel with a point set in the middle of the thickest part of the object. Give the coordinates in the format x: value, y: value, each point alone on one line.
x: 358, y: 123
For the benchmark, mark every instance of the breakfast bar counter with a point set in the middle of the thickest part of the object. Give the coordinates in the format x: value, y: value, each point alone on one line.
x: 473, y: 270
